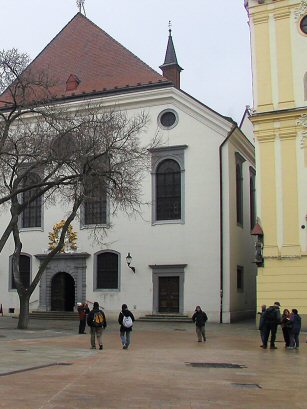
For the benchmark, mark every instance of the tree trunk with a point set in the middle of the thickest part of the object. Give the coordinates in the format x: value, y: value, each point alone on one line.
x: 23, y: 320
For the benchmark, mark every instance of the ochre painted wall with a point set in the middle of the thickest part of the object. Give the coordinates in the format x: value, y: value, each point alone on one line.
x: 279, y: 106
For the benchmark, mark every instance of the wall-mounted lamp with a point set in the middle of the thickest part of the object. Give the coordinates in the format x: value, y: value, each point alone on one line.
x: 258, y: 233
x: 129, y: 259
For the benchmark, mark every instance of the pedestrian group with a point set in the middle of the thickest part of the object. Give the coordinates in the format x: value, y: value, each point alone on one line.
x: 290, y: 323
x: 97, y: 322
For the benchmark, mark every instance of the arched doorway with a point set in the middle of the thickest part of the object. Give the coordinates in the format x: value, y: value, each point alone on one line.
x: 62, y: 292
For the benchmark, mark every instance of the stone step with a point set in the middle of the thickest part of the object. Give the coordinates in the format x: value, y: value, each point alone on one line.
x: 165, y: 318
x: 54, y: 315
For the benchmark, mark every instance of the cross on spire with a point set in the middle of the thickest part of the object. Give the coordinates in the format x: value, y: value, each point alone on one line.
x: 80, y: 4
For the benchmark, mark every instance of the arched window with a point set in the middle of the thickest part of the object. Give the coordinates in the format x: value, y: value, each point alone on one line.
x: 25, y: 272
x: 107, y: 271
x: 168, y: 190
x: 32, y: 214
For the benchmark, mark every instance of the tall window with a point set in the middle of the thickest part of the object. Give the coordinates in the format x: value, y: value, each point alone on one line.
x: 239, y: 188
x: 240, y: 278
x: 32, y: 214
x: 252, y: 197
x: 168, y: 190
x: 95, y: 204
x: 107, y: 271
x: 25, y: 272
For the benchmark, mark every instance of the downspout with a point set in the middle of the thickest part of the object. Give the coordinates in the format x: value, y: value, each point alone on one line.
x: 221, y: 222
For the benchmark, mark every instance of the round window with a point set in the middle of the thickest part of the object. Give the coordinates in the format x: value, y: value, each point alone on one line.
x: 168, y: 119
x: 303, y: 25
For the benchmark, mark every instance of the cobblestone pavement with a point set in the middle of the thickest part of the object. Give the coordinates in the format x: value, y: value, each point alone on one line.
x: 49, y: 366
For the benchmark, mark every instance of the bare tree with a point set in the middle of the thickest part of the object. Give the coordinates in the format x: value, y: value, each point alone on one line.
x: 55, y: 152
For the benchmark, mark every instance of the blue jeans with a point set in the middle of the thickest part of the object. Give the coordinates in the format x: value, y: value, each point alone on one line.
x: 125, y: 338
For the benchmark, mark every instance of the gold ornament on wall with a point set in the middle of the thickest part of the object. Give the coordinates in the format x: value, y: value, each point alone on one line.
x: 70, y: 240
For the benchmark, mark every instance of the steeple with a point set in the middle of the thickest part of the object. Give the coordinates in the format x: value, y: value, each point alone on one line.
x: 170, y: 68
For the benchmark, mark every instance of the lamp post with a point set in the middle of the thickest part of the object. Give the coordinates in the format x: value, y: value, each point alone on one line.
x: 258, y: 233
x: 129, y: 259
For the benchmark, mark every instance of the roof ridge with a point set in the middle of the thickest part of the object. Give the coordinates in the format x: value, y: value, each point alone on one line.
x: 118, y: 43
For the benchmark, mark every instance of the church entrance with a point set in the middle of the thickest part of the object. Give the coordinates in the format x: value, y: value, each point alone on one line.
x: 62, y: 292
x: 169, y: 294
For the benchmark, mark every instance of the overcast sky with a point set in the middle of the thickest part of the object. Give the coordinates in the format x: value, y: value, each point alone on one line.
x: 211, y: 39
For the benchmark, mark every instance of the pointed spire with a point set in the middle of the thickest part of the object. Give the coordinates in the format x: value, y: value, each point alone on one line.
x: 170, y: 68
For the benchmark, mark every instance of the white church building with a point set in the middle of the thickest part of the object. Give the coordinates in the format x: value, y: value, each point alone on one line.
x: 191, y: 245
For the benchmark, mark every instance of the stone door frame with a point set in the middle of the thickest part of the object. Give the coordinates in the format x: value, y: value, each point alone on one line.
x: 173, y: 270
x: 73, y: 264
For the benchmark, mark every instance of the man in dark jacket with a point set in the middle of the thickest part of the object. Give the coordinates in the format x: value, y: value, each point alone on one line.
x: 200, y: 318
x: 271, y: 318
x: 96, y: 320
x: 125, y: 319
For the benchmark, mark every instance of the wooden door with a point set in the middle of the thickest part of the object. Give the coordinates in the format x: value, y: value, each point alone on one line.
x: 169, y: 294
x: 62, y: 292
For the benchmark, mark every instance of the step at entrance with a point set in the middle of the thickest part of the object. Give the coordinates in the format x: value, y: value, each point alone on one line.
x: 166, y: 318
x: 54, y: 315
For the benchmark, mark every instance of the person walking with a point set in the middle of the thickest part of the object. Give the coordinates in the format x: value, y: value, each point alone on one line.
x: 125, y: 319
x: 97, y: 322
x: 295, y: 330
x: 286, y: 325
x: 271, y: 319
x: 200, y: 318
x: 83, y: 310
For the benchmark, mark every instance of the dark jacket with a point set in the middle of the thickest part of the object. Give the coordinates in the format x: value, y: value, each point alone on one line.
x: 90, y: 318
x: 271, y: 316
x: 200, y: 318
x: 296, y: 323
x: 125, y: 313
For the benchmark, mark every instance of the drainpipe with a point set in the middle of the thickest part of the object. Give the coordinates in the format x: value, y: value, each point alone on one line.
x: 221, y: 221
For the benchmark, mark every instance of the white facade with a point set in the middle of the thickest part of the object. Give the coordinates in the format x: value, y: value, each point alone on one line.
x: 203, y: 249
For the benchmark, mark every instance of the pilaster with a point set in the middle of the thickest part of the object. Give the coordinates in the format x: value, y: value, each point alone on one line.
x: 284, y: 59
x: 263, y: 78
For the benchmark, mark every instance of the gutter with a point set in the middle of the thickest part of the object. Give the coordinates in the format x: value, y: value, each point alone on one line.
x: 221, y: 221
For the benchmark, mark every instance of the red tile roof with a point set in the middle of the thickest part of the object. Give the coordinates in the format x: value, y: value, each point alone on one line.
x: 100, y: 63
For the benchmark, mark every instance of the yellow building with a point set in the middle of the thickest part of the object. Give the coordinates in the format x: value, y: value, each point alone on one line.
x: 279, y: 65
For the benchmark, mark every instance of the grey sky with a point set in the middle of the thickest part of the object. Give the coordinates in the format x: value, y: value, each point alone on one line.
x: 211, y: 38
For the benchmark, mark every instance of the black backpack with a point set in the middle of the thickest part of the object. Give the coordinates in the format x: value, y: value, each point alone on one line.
x: 270, y: 315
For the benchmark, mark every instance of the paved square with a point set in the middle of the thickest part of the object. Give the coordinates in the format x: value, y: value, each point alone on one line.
x: 51, y: 367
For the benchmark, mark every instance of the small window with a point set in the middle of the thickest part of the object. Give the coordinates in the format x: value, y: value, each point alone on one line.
x: 107, y: 271
x: 25, y: 272
x: 303, y: 24
x: 252, y: 197
x: 240, y: 278
x: 239, y: 188
x: 168, y: 119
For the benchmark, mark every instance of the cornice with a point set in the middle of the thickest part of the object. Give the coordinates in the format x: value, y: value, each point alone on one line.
x: 282, y: 14
x: 278, y: 115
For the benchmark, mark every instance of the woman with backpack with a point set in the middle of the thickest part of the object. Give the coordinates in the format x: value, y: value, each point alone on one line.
x: 125, y: 319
